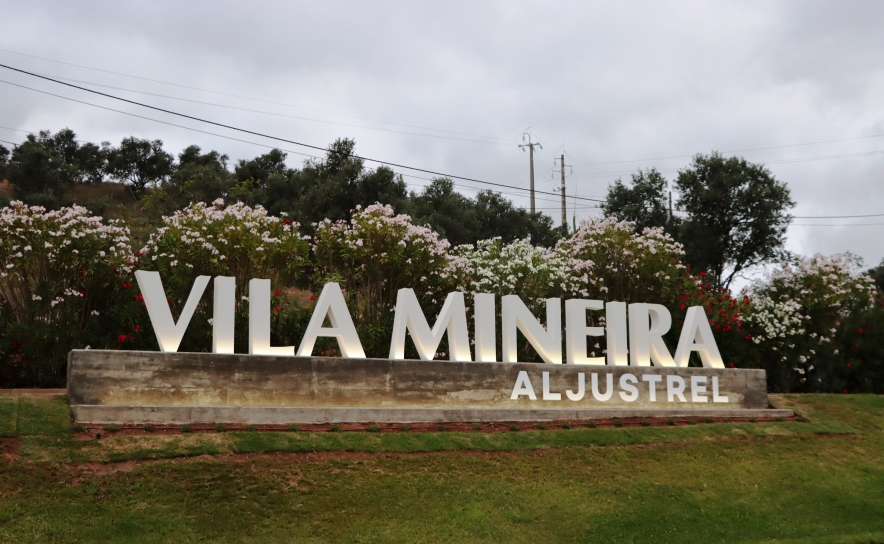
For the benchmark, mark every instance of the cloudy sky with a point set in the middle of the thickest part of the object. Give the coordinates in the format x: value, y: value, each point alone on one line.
x: 452, y: 86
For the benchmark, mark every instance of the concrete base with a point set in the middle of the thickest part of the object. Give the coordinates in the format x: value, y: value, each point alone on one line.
x: 268, y: 415
x: 118, y: 387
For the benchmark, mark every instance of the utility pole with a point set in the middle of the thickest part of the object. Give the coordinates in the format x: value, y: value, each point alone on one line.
x: 530, y: 147
x: 564, y: 208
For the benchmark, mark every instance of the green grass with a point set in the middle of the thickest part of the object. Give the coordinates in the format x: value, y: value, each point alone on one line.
x: 821, y: 481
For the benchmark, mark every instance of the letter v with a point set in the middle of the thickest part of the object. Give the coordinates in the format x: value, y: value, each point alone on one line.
x: 169, y: 333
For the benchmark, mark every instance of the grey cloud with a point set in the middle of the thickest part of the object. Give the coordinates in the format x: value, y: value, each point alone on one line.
x: 611, y: 81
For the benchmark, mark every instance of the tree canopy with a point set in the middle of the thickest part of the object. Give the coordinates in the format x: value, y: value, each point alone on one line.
x: 47, y: 167
x: 140, y: 163
x: 733, y: 213
x: 736, y: 215
x: 645, y: 202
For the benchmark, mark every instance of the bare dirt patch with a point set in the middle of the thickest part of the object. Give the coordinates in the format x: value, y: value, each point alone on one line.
x: 9, y: 448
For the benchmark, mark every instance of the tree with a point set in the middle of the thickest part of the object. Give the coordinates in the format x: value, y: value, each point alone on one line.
x: 446, y: 211
x: 644, y: 202
x: 877, y: 275
x: 262, y: 167
x: 140, y: 163
x: 4, y: 160
x: 736, y: 215
x: 498, y: 217
x: 330, y: 188
x: 198, y: 177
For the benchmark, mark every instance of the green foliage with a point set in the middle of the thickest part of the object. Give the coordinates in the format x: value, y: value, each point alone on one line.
x: 644, y: 202
x: 374, y: 256
x: 45, y: 166
x: 139, y: 164
x: 533, y: 273
x: 4, y: 161
x: 463, y: 220
x: 736, y: 215
x: 816, y: 324
x: 877, y: 275
x: 610, y: 261
x: 198, y: 177
x: 238, y: 241
x: 323, y: 189
x: 61, y: 286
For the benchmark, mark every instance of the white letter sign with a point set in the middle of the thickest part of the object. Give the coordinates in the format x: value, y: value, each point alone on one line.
x: 410, y: 317
x: 169, y: 333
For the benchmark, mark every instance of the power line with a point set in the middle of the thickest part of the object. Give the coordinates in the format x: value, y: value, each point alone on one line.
x: 254, y: 99
x: 835, y: 216
x: 840, y: 225
x: 461, y: 185
x: 246, y: 131
x: 738, y: 151
x: 282, y: 114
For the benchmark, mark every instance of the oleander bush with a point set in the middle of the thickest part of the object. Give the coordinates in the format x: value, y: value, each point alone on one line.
x: 66, y: 282
x: 376, y: 254
x: 813, y: 318
x: 237, y: 241
x: 62, y: 285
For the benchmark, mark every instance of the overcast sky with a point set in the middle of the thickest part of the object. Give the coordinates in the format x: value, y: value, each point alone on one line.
x: 451, y: 87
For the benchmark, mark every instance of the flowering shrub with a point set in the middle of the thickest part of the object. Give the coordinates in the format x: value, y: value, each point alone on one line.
x: 218, y: 240
x: 533, y: 273
x: 59, y: 273
x: 374, y: 256
x: 801, y: 318
x: 610, y: 261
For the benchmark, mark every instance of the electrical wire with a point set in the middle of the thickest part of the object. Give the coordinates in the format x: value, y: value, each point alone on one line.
x: 281, y: 114
x: 254, y: 99
x: 738, y: 151
x: 835, y: 216
x: 246, y: 131
x: 840, y: 225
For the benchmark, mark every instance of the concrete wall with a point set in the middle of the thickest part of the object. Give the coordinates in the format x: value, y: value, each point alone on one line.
x: 137, y: 387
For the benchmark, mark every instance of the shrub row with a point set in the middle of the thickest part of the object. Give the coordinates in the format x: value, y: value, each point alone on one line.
x: 66, y: 282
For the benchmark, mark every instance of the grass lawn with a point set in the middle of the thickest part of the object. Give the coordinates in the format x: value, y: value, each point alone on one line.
x: 821, y: 481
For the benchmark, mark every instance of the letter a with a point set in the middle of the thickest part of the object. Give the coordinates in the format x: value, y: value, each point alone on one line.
x: 696, y: 335
x: 331, y: 303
